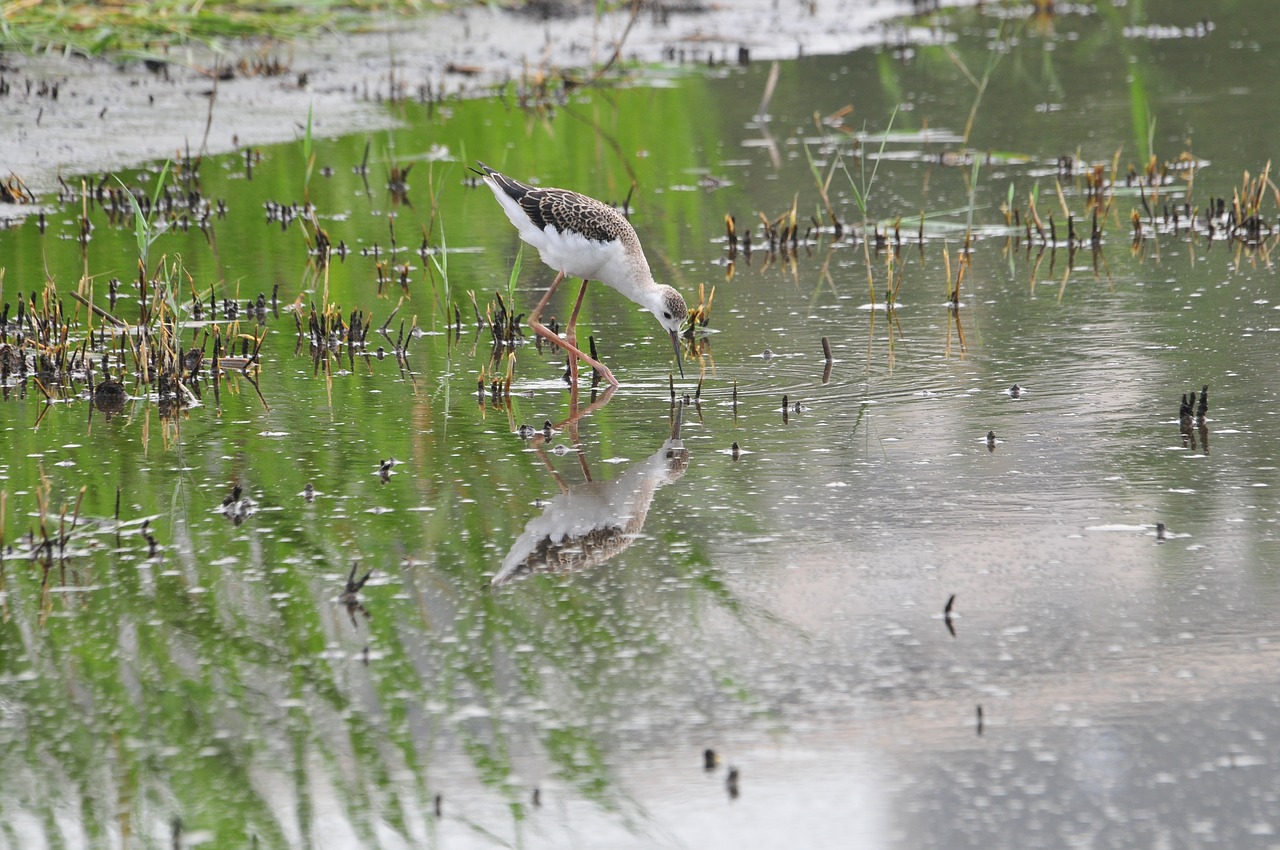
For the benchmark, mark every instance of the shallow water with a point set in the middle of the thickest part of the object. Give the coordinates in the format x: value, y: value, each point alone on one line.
x: 784, y: 608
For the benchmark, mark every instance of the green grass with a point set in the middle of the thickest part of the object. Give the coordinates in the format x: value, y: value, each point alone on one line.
x: 146, y: 25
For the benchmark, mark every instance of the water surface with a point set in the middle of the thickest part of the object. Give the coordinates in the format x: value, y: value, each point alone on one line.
x: 1104, y: 686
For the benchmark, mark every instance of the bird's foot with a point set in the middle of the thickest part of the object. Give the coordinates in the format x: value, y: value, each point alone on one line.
x: 604, y: 372
x: 600, y: 371
x: 575, y: 354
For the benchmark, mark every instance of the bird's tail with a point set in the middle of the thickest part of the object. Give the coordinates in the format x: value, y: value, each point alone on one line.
x: 512, y: 188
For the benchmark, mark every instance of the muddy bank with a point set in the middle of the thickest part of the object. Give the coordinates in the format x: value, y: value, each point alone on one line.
x: 70, y: 115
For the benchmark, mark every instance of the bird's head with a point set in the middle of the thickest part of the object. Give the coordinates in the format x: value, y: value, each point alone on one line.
x: 671, y: 311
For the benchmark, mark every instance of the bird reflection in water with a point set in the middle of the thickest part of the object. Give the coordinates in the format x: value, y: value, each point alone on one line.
x: 591, y: 522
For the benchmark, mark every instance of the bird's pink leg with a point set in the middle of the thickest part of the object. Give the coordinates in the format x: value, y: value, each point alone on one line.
x: 535, y: 316
x: 535, y: 322
x: 571, y: 332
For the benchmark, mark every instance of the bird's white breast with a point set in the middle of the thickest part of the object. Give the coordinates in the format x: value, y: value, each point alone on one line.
x: 578, y: 256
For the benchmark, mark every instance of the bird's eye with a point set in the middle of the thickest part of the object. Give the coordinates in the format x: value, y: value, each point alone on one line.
x: 666, y: 315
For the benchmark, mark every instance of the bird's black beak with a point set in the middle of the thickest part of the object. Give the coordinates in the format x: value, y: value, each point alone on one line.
x: 675, y: 341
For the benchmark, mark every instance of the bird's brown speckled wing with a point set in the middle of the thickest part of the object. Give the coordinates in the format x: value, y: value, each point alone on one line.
x: 570, y: 212
x: 566, y: 211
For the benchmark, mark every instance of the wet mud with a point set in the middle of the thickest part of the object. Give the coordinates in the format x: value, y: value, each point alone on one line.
x: 68, y: 115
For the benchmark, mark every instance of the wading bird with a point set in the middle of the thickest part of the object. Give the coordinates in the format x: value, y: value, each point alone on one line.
x: 582, y: 237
